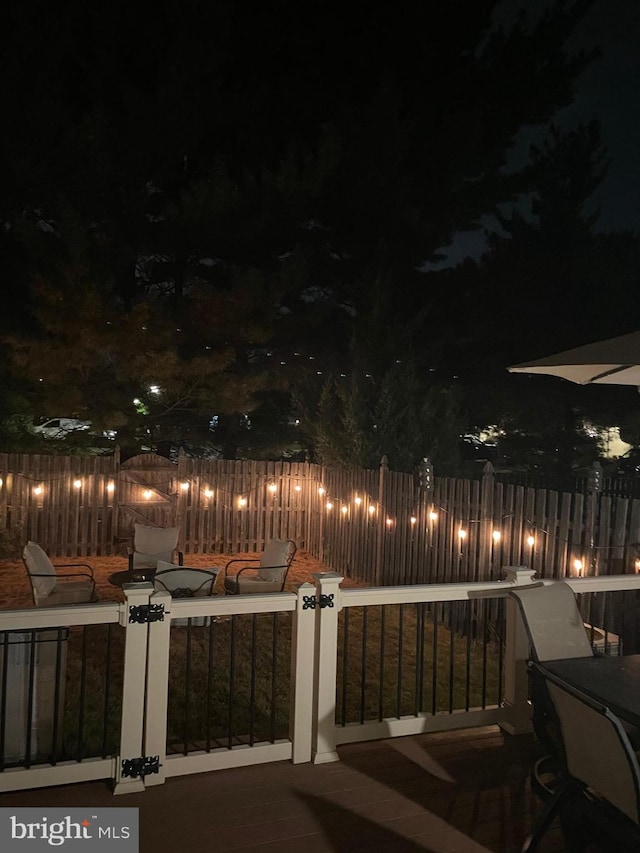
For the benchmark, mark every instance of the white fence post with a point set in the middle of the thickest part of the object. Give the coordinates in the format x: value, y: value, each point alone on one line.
x: 155, y: 733
x: 326, y: 659
x: 133, y: 687
x: 516, y: 678
x: 302, y: 668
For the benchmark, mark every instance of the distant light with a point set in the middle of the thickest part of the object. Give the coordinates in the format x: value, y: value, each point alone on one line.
x: 208, y: 493
x: 413, y: 519
x: 433, y: 515
x: 462, y: 533
x: 321, y: 491
x: 298, y: 488
x: 372, y: 509
x: 577, y: 565
x: 242, y: 501
x: 343, y: 509
x: 38, y: 490
x: 184, y: 486
x: 77, y: 484
x: 357, y: 500
x: 111, y: 487
x: 147, y: 494
x: 497, y: 536
x: 329, y: 505
x: 272, y: 488
x: 154, y: 389
x: 531, y: 541
x: 136, y: 401
x: 389, y: 522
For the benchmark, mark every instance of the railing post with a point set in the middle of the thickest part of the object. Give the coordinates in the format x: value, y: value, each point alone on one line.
x: 302, y: 668
x: 516, y: 679
x: 155, y: 729
x: 133, y: 686
x: 326, y: 666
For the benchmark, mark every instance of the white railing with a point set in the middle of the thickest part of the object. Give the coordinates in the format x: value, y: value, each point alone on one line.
x: 313, y: 734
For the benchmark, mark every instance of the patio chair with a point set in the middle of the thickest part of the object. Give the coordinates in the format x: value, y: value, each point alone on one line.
x: 52, y: 585
x: 599, y: 790
x: 270, y: 573
x: 186, y: 582
x: 553, y: 621
x: 153, y: 544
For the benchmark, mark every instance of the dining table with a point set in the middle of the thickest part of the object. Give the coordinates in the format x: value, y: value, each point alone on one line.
x: 613, y: 680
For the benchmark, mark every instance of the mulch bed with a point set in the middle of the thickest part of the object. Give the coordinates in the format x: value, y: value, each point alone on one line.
x: 15, y: 590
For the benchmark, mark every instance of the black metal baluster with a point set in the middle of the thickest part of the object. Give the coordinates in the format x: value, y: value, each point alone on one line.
x: 345, y: 664
x: 383, y: 617
x: 363, y: 663
x: 56, y: 699
x: 252, y: 688
x: 274, y: 678
x: 400, y: 655
x: 3, y: 696
x: 485, y: 646
x: 417, y: 705
x: 434, y: 669
x: 83, y: 690
x: 500, y: 638
x: 187, y: 693
x: 210, y: 665
x: 467, y: 683
x: 232, y: 681
x: 30, y: 694
x: 452, y: 651
x: 107, y: 692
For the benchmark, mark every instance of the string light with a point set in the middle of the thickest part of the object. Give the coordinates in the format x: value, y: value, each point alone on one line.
x: 147, y: 494
x: 496, y: 536
x: 372, y: 509
x: 77, y: 484
x: 357, y: 500
x: 577, y: 565
x: 111, y: 487
x: 413, y: 519
x: 208, y: 493
x: 389, y: 522
x: 343, y: 509
x: 298, y: 488
x: 321, y: 491
x: 184, y: 486
x: 462, y: 534
x: 531, y: 541
x: 242, y: 501
x: 272, y: 488
x: 38, y: 490
x: 433, y: 516
x: 329, y: 505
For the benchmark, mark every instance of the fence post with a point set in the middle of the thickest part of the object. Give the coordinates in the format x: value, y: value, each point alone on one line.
x: 382, y: 478
x: 133, y: 687
x: 516, y: 679
x: 157, y: 691
x: 326, y: 666
x: 487, y: 490
x: 302, y: 668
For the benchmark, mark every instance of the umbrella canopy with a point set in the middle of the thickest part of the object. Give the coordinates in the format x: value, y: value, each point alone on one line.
x: 615, y: 361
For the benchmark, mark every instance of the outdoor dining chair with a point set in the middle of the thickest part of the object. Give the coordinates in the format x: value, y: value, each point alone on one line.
x: 186, y: 582
x: 53, y: 585
x: 599, y: 786
x: 151, y: 544
x: 270, y: 573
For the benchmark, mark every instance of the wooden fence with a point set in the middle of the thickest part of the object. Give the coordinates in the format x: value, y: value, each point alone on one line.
x: 378, y: 526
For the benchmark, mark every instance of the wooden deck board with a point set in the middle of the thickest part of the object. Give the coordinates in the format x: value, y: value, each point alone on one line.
x: 455, y: 792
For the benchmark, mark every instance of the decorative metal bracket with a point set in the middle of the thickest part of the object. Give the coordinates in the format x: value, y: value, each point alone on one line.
x: 141, y: 613
x: 143, y: 766
x: 311, y: 601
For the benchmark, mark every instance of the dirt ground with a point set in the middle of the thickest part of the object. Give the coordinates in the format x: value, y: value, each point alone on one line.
x: 15, y: 590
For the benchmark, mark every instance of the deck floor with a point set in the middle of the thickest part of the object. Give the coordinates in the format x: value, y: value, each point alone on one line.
x: 457, y: 791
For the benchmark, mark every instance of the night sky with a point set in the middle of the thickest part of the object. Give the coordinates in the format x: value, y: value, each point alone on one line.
x: 608, y: 90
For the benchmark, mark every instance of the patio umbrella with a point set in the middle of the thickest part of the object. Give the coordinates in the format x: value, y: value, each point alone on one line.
x: 615, y: 361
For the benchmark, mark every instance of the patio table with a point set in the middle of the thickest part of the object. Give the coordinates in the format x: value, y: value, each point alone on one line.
x: 131, y: 576
x: 614, y: 681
